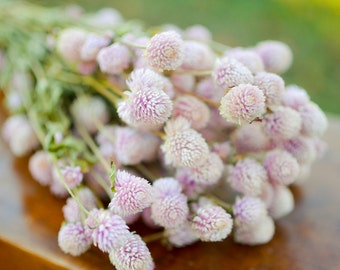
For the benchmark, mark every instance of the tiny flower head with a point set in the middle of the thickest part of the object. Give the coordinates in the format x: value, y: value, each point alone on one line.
x: 314, y: 120
x: 282, y: 202
x: 69, y: 43
x: 207, y: 89
x: 72, y: 175
x: 182, y: 235
x: 247, y: 57
x: 40, y: 167
x: 114, y: 58
x: 185, y: 82
x: 302, y: 148
x: 197, y: 56
x: 198, y: 32
x: 92, y: 45
x: 295, y: 97
x: 166, y: 186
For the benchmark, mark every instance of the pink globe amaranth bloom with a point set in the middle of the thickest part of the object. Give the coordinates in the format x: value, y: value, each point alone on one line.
x: 114, y: 58
x: 250, y: 138
x: 272, y: 86
x: 86, y: 67
x: 282, y: 202
x: 197, y: 56
x: 198, y: 32
x: 248, y: 177
x: 147, y: 219
x: 166, y: 186
x: 92, y: 45
x: 132, y: 218
x: 40, y: 167
x: 282, y: 124
x: 147, y: 108
x: 222, y: 149
x: 74, y: 239
x: 105, y: 18
x: 193, y: 109
x: 132, y: 195
x: 228, y: 73
x: 183, y: 146
x: 89, y: 112
x: 207, y: 89
x: 247, y: 57
x: 69, y: 43
x: 212, y: 223
x: 243, y: 104
x: 181, y: 236
x: 170, y: 211
x: 262, y: 233
x: 282, y: 168
x: 305, y: 171
x: 165, y: 51
x: 314, y: 121
x: 302, y: 148
x: 72, y: 176
x: 295, y: 97
x: 184, y: 82
x: 72, y: 211
x: 108, y: 231
x: 133, y: 254
x: 277, y: 56
x: 249, y: 211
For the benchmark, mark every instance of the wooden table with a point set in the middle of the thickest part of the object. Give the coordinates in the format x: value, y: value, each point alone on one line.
x: 307, y: 239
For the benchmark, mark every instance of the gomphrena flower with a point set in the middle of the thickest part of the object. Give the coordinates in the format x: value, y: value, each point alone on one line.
x: 105, y: 18
x: 132, y: 195
x: 74, y: 239
x: 228, y: 72
x: 243, y: 104
x: 182, y: 235
x: 295, y: 97
x: 197, y: 56
x: 133, y: 254
x: 147, y: 219
x: 198, y: 32
x: 92, y: 45
x: 282, y: 168
x: 272, y: 86
x: 184, y: 82
x: 212, y: 223
x: 302, y: 148
x: 207, y: 88
x: 247, y: 57
x: 183, y: 146
x: 165, y: 51
x: 222, y: 149
x: 282, y: 202
x: 255, y: 235
x: 277, y: 56
x: 166, y: 186
x: 40, y: 167
x: 89, y: 112
x: 108, y: 231
x: 249, y: 211
x: 193, y: 109
x: 248, y: 176
x: 72, y: 175
x: 282, y: 124
x: 114, y: 58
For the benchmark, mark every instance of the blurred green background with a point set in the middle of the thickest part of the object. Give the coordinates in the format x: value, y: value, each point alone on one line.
x: 310, y: 27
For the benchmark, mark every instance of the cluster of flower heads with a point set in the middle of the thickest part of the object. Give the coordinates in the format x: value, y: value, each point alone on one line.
x: 192, y: 116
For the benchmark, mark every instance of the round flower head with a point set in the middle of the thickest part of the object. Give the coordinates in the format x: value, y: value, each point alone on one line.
x: 185, y: 82
x: 108, y: 231
x: 69, y: 43
x: 212, y: 223
x: 277, y: 56
x: 228, y: 72
x: 206, y: 88
x: 132, y: 195
x: 166, y: 186
x: 105, y: 18
x: 272, y: 86
x: 147, y: 219
x: 165, y: 51
x: 248, y: 177
x: 249, y: 211
x: 114, y: 58
x: 197, y: 56
x: 314, y: 121
x: 282, y: 168
x: 282, y: 124
x: 133, y: 254
x: 87, y: 111
x: 198, y: 32
x: 40, y: 167
x: 247, y: 57
x: 243, y: 104
x: 282, y: 203
x: 74, y: 239
x: 191, y: 108
x: 295, y: 97
x: 170, y: 211
x: 262, y: 233
x: 181, y: 236
x: 57, y: 186
x: 92, y: 45
x: 183, y: 146
x: 72, y: 175
x: 222, y: 149
x: 302, y: 148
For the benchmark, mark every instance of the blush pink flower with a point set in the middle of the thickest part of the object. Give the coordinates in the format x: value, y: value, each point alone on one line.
x: 282, y: 202
x: 295, y: 97
x: 72, y: 175
x: 197, y: 56
x: 92, y: 45
x: 243, y: 104
x: 247, y: 57
x: 302, y: 148
x: 198, y: 32
x: 165, y: 51
x: 114, y: 58
x: 181, y: 236
x: 206, y: 88
x: 185, y: 82
x: 69, y: 43
x: 40, y: 167
x: 166, y: 186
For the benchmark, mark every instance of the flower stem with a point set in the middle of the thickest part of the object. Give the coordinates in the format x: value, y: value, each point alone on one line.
x: 153, y: 237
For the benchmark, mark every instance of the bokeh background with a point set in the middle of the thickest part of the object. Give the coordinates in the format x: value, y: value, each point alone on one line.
x: 310, y: 27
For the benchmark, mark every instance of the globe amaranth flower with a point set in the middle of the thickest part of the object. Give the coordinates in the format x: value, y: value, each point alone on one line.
x: 105, y: 18
x: 197, y: 56
x: 69, y: 43
x: 132, y: 195
x: 282, y: 168
x: 147, y: 219
x: 183, y: 146
x: 277, y: 56
x: 295, y: 97
x: 248, y: 176
x: 92, y: 45
x: 114, y: 58
x: 198, y: 32
x: 247, y: 57
x: 243, y: 104
x: 228, y: 72
x: 282, y: 202
x: 133, y: 254
x: 184, y: 82
x: 108, y: 231
x: 40, y: 167
x: 182, y: 235
x: 212, y: 223
x: 191, y: 108
x: 166, y: 186
x: 207, y: 89
x: 302, y: 148
x: 72, y: 175
x: 74, y: 239
x: 165, y: 51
